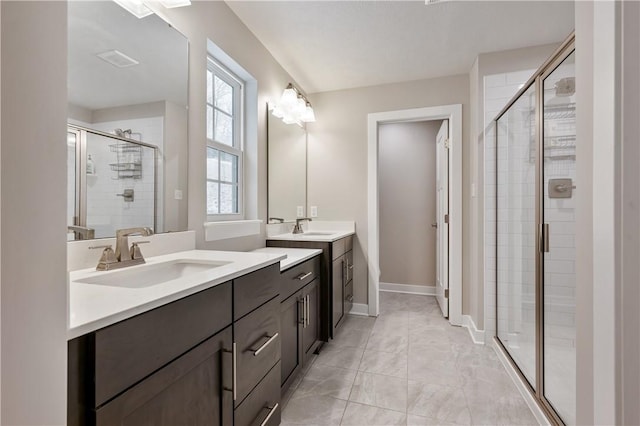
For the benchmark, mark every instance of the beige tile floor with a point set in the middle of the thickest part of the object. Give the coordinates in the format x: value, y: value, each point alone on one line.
x: 406, y: 367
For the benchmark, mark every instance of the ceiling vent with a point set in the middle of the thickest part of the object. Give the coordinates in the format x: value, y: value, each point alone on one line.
x: 117, y: 59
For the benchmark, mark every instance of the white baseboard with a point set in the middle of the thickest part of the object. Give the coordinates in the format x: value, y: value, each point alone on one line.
x: 359, y: 309
x: 427, y: 290
x: 476, y: 335
x: 522, y: 387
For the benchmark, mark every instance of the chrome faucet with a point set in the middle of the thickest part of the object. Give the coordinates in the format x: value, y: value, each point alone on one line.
x: 123, y: 256
x: 123, y: 253
x: 298, y: 228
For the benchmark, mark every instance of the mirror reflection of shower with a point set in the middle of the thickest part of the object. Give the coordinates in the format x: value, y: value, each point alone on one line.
x: 105, y: 171
x: 128, y: 134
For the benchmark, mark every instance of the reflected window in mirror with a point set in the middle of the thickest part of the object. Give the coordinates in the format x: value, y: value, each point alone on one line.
x: 224, y: 143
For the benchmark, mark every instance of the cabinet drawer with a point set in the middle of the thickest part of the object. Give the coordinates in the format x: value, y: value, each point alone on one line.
x: 295, y: 278
x: 262, y: 403
x: 338, y: 248
x: 254, y: 289
x: 257, y: 348
x: 348, y: 297
x: 188, y: 391
x: 348, y: 243
x: 130, y: 350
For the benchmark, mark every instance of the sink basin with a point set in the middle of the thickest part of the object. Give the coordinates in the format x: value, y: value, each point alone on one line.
x: 148, y: 275
x: 315, y: 233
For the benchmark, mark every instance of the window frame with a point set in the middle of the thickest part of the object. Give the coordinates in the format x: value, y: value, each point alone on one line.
x: 220, y: 71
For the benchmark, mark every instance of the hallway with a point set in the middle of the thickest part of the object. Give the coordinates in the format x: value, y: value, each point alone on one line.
x: 406, y: 367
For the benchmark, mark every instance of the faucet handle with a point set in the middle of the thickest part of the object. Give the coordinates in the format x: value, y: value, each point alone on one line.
x: 135, y: 250
x: 108, y: 257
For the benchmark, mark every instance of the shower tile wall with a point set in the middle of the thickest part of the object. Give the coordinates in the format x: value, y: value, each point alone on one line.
x: 107, y: 212
x: 498, y: 91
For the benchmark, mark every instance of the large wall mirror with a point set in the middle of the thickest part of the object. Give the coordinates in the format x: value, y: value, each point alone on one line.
x: 287, y: 150
x: 127, y: 134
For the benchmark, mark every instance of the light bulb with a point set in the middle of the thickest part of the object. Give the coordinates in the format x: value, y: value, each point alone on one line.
x: 309, y: 116
x: 289, y: 97
x: 135, y: 7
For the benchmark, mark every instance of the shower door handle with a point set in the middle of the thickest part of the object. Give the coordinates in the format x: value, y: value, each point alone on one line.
x: 544, y: 238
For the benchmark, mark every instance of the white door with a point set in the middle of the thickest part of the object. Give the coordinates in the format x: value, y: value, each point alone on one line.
x: 442, y: 222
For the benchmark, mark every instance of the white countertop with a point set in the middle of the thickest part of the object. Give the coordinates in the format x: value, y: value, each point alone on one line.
x: 319, y: 236
x: 94, y: 306
x: 294, y: 257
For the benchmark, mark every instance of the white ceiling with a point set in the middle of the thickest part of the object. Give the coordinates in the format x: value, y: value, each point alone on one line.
x: 332, y: 45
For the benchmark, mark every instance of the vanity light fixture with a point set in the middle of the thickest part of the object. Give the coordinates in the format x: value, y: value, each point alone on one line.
x: 170, y: 4
x: 139, y: 8
x: 135, y: 7
x: 294, y: 107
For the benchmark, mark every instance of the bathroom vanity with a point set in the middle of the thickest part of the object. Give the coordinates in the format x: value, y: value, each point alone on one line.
x: 203, y: 349
x: 299, y: 309
x: 336, y: 272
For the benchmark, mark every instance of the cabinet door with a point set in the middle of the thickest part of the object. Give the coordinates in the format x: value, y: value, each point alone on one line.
x: 290, y: 340
x: 337, y: 285
x: 311, y: 329
x: 190, y: 390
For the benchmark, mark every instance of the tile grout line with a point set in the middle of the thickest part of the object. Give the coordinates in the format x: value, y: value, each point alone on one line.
x: 357, y: 371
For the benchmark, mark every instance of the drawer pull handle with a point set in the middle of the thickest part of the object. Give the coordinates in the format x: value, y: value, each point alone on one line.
x: 307, y: 313
x: 271, y: 411
x: 302, y: 276
x: 235, y: 371
x: 265, y: 344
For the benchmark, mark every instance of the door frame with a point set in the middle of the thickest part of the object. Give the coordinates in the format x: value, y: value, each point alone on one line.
x: 453, y: 113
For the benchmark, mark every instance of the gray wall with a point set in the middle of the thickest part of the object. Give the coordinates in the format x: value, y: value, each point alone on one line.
x: 33, y: 262
x: 337, y: 169
x: 407, y: 197
x: 214, y: 20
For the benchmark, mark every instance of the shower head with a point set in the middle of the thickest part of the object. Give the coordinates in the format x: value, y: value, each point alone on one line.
x: 565, y: 87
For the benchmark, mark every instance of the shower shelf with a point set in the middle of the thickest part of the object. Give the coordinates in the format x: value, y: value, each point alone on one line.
x: 129, y: 161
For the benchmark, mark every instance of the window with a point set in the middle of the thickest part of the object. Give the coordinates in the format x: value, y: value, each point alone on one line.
x: 224, y: 143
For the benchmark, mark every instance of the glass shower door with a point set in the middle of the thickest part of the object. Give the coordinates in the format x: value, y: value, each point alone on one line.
x: 516, y: 233
x: 120, y: 185
x: 559, y: 184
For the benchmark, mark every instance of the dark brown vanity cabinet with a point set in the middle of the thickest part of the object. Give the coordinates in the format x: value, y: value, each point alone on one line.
x: 299, y: 317
x: 336, y: 284
x: 170, y: 365
x: 188, y: 391
x: 208, y: 358
x: 257, y: 336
